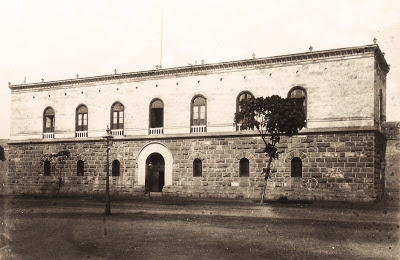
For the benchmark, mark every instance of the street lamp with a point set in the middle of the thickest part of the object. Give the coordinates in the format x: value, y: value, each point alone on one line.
x: 108, y: 137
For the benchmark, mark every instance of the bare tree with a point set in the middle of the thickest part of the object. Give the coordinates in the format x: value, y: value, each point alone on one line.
x: 57, y: 160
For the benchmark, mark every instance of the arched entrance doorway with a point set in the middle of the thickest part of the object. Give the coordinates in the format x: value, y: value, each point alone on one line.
x: 142, y: 163
x: 155, y: 173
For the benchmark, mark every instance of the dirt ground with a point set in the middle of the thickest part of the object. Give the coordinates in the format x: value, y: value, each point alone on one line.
x: 185, y: 228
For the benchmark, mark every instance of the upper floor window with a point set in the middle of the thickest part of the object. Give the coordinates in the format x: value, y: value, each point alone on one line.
x: 156, y: 116
x: 198, y: 114
x: 80, y: 168
x: 242, y: 96
x: 296, y: 167
x: 244, y: 167
x: 47, y: 168
x: 299, y: 92
x: 117, y: 116
x: 197, y: 168
x: 81, y: 118
x: 48, y: 120
x: 115, y: 168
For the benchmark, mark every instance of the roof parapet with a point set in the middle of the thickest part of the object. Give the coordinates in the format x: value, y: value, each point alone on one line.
x: 176, y: 71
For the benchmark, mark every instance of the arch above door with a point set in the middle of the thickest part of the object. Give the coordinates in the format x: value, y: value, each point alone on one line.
x: 148, y: 149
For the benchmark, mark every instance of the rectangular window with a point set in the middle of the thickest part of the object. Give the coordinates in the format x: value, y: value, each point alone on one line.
x: 115, y: 117
x: 79, y: 119
x: 85, y: 122
x: 82, y: 122
x: 49, y: 123
x: 199, y: 115
x: 115, y: 120
x: 195, y: 115
x: 121, y: 118
x: 202, y: 115
x: 156, y: 117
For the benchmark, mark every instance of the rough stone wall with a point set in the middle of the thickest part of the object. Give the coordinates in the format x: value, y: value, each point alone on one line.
x: 336, y: 166
x: 26, y: 173
x: 392, y: 177
x: 3, y: 164
x: 380, y: 164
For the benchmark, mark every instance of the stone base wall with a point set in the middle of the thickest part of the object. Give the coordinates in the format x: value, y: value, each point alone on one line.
x: 392, y: 164
x: 3, y: 164
x: 336, y: 166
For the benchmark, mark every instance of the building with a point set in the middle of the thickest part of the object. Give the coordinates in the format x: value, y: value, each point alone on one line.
x: 174, y: 133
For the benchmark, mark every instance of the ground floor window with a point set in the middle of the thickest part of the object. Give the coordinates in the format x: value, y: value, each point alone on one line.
x: 115, y: 168
x: 80, y: 168
x: 244, y: 167
x: 47, y: 168
x: 197, y: 168
x: 296, y: 167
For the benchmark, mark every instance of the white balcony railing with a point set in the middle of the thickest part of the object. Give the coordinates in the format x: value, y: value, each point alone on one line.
x: 81, y: 134
x: 48, y: 135
x: 156, y: 131
x: 198, y: 129
x: 117, y: 131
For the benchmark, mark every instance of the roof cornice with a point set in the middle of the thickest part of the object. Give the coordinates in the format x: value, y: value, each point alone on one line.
x: 180, y: 71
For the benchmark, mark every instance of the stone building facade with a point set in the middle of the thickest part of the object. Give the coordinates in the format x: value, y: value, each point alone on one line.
x: 392, y: 159
x: 3, y: 164
x: 174, y: 133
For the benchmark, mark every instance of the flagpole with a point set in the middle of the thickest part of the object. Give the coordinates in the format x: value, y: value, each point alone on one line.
x: 161, y: 41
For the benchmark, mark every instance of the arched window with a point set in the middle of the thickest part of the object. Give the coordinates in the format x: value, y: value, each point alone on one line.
x: 117, y: 116
x: 115, y: 168
x: 80, y: 168
x: 244, y: 167
x: 198, y: 114
x: 296, y: 167
x: 299, y: 92
x: 81, y: 123
x: 47, y: 168
x: 242, y: 96
x: 48, y: 120
x: 156, y: 116
x: 197, y: 168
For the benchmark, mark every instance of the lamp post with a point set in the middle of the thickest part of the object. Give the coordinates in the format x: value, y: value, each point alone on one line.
x: 108, y: 137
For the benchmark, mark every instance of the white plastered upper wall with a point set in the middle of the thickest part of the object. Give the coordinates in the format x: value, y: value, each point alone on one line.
x: 341, y: 92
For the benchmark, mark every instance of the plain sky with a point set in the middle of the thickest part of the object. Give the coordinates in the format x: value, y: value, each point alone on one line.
x: 58, y: 39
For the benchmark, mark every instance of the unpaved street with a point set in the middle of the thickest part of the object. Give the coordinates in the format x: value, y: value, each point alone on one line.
x: 172, y: 228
